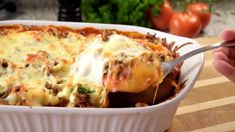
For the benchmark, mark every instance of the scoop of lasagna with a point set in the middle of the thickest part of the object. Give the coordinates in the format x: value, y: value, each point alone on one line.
x: 61, y: 66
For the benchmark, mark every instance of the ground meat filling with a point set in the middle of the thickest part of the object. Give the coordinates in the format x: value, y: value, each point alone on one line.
x: 106, y: 34
x: 82, y: 100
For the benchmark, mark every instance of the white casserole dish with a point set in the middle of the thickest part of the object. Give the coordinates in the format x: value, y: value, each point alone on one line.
x: 154, y: 118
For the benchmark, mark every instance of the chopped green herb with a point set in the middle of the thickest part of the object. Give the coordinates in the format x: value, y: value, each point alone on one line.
x: 85, y: 90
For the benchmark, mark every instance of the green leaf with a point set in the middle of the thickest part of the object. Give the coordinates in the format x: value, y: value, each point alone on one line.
x: 132, y: 12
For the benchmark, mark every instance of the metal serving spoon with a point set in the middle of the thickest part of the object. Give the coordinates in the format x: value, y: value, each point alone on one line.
x: 169, y: 66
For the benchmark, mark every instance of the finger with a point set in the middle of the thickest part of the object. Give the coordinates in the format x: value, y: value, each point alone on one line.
x: 225, y: 69
x: 220, y: 56
x: 228, y: 51
x: 228, y: 35
x: 231, y: 62
x: 217, y: 50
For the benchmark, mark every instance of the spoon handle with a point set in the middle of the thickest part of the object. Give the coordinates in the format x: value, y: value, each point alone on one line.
x: 203, y: 49
x: 179, y: 60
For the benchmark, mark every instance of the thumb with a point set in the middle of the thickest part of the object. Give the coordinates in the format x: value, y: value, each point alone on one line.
x: 225, y: 68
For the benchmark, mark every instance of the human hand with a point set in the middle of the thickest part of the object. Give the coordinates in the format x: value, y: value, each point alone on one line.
x: 224, y: 57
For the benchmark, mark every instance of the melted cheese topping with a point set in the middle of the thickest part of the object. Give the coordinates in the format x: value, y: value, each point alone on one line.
x: 99, y: 53
x: 89, y: 66
x: 43, y: 69
x: 23, y: 49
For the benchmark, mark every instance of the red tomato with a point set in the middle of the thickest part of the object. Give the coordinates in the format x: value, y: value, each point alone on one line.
x: 161, y: 22
x: 202, y: 10
x: 185, y: 24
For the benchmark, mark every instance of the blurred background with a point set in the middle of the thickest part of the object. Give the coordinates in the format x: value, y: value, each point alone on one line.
x: 190, y: 18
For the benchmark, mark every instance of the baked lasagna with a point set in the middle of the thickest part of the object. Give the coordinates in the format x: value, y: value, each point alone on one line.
x: 87, y: 67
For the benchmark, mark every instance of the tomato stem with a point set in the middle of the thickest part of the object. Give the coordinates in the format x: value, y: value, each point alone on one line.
x: 210, y: 5
x: 186, y: 3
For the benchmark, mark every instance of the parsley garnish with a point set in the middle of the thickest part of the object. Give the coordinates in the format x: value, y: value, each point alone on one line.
x: 85, y: 90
